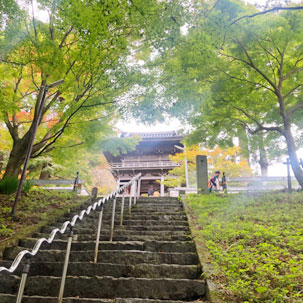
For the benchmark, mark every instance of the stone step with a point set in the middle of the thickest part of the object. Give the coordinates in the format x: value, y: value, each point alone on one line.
x: 128, y: 222
x: 138, y: 211
x: 169, y: 217
x: 89, y: 269
x: 146, y: 207
x: 138, y: 202
x: 109, y: 287
x: 176, y: 236
x: 106, y: 232
x: 173, y: 216
x: 155, y: 246
x: 5, y: 298
x: 88, y: 228
x: 115, y: 256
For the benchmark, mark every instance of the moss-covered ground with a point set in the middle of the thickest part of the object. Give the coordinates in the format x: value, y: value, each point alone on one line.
x: 254, y: 243
x: 35, y: 209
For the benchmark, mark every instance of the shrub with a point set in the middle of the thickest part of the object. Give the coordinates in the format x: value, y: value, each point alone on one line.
x: 8, y: 185
x: 27, y: 186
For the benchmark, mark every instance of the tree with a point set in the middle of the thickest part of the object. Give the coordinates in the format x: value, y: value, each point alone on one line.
x: 247, y: 75
x: 88, y: 47
x: 225, y: 160
x: 261, y: 68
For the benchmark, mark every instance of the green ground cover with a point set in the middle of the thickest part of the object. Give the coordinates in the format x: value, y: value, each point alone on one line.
x: 255, y: 244
x: 35, y: 210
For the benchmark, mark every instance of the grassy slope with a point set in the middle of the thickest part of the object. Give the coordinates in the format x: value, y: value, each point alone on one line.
x: 35, y: 210
x: 254, y: 243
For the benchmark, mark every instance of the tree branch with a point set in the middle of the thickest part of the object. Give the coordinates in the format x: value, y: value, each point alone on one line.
x: 251, y: 63
x: 293, y: 109
x: 274, y: 9
x: 65, y: 37
x: 292, y: 90
x: 12, y: 62
x: 12, y: 130
x: 55, y: 97
x: 98, y: 104
x: 247, y: 81
x: 259, y: 125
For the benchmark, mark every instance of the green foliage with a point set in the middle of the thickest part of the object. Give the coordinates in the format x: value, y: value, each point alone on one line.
x: 255, y: 243
x: 27, y: 186
x: 117, y: 146
x: 8, y: 185
x: 36, y: 209
x: 89, y: 47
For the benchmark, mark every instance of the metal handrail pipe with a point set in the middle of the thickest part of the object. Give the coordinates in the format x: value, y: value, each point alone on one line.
x: 65, y: 266
x: 135, y: 192
x: 98, y: 235
x: 122, y: 209
x: 63, y: 229
x: 113, y: 220
x: 130, y: 204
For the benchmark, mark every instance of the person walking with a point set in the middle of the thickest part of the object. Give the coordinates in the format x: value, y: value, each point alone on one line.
x: 214, y: 182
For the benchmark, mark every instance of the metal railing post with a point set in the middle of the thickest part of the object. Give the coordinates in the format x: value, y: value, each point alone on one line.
x: 135, y: 192
x: 65, y: 266
x: 25, y: 272
x: 139, y: 188
x: 98, y: 234
x: 122, y: 209
x: 130, y: 202
x: 113, y: 220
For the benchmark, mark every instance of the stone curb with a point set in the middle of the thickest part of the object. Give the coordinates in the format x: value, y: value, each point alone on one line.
x: 213, y: 292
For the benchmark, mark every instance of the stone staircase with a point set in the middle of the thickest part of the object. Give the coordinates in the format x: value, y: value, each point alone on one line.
x: 152, y: 259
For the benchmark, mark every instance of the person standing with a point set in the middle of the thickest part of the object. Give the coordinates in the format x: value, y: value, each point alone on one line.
x: 214, y: 183
x: 150, y: 192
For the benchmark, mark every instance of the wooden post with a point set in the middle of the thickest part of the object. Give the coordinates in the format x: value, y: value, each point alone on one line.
x: 288, y: 175
x: 202, y: 175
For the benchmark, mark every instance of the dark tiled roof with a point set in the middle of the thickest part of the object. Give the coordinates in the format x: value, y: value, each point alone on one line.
x: 167, y: 134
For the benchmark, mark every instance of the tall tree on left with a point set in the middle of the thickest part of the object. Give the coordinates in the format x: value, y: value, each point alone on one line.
x: 86, y: 43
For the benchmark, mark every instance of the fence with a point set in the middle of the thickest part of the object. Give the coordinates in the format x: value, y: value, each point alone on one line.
x: 247, y: 184
x: 70, y: 224
x: 61, y: 184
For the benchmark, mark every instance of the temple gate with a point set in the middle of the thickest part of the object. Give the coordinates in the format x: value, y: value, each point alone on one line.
x: 151, y: 158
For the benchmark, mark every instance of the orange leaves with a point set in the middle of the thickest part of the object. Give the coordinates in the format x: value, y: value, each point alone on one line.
x: 24, y: 116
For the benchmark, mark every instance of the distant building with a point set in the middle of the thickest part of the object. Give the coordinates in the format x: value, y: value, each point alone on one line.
x: 151, y: 158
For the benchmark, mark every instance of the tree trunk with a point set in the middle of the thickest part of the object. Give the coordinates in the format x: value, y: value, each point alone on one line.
x: 244, y: 145
x: 44, y: 175
x: 1, y: 161
x: 295, y: 164
x: 263, y: 166
x: 16, y: 158
x: 262, y: 157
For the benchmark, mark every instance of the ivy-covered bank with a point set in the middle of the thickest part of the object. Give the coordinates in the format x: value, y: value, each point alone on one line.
x: 255, y: 244
x: 35, y: 210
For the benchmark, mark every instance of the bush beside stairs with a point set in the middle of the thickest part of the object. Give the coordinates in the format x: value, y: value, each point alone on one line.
x: 152, y: 259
